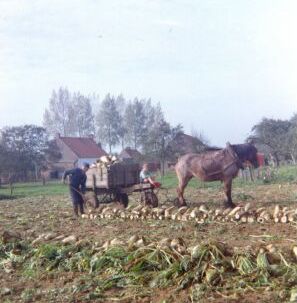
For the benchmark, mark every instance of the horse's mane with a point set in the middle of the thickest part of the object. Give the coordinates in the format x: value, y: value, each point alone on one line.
x: 211, y: 148
x: 242, y: 149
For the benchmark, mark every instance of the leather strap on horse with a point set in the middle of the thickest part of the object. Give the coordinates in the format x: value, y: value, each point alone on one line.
x: 234, y: 156
x: 234, y: 160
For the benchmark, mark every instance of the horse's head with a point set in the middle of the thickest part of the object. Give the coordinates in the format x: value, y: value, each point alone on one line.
x: 247, y: 153
x: 252, y: 155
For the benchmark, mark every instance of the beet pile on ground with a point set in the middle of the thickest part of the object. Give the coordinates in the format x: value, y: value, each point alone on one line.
x: 201, y: 214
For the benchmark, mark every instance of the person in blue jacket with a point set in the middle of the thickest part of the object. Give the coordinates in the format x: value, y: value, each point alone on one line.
x: 77, y: 186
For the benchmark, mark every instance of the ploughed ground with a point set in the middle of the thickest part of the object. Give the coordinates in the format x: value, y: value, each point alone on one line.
x: 34, y: 216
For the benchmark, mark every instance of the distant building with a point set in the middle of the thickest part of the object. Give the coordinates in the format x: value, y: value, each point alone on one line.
x: 130, y: 154
x: 74, y: 152
x: 184, y: 144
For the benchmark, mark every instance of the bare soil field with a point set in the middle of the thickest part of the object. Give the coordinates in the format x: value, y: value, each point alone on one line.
x: 35, y: 269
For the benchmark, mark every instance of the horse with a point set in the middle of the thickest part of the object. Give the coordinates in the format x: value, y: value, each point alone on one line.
x: 215, y: 164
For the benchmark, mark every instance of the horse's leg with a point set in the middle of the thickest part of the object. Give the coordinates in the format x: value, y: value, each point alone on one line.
x: 182, y: 183
x: 227, y: 190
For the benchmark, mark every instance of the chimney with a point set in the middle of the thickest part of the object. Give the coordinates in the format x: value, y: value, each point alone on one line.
x: 57, y: 135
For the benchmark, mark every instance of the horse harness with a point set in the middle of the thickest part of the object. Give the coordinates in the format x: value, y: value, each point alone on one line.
x: 235, y: 160
x: 233, y: 155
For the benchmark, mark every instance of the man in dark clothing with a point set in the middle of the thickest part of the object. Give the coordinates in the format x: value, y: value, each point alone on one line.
x: 77, y: 186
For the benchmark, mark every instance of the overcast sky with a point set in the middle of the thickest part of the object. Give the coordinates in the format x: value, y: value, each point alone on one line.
x: 215, y: 66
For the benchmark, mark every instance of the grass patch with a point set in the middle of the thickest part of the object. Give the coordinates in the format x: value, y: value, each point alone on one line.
x: 286, y: 174
x: 283, y: 174
x: 34, y: 189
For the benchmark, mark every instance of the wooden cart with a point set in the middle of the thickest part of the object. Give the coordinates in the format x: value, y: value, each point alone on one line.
x: 114, y: 183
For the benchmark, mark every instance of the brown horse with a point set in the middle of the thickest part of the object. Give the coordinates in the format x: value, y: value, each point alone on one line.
x: 215, y: 165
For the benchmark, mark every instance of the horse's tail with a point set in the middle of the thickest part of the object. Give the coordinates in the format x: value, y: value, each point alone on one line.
x: 176, y: 166
x: 178, y: 160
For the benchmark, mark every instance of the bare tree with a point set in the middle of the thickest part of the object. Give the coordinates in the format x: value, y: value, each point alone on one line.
x: 108, y: 121
x: 83, y: 115
x: 69, y: 114
x: 58, y: 118
x: 135, y: 122
x: 200, y: 136
x: 121, y: 107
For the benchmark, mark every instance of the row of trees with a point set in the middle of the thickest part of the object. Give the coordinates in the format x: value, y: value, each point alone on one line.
x: 140, y: 124
x: 117, y: 121
x: 277, y: 138
x: 27, y: 150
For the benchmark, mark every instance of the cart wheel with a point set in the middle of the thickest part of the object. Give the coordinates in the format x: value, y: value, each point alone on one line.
x: 151, y: 199
x: 155, y: 201
x: 142, y: 197
x: 91, y: 200
x: 123, y: 199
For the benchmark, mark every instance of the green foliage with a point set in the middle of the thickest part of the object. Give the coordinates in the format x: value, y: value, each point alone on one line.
x: 279, y: 136
x: 46, y: 251
x: 28, y: 295
x: 35, y: 189
x: 80, y: 261
x: 110, y: 258
x: 286, y: 174
x: 244, y: 263
x: 25, y: 149
x: 209, y: 266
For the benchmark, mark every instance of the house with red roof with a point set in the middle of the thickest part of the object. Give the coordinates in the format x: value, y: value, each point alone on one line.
x: 74, y: 152
x: 131, y: 154
x: 184, y: 144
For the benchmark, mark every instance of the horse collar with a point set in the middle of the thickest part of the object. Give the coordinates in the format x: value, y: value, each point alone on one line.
x: 234, y: 156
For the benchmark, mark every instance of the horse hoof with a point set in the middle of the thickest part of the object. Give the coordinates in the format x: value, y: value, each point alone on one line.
x: 229, y: 205
x: 182, y: 205
x: 176, y: 202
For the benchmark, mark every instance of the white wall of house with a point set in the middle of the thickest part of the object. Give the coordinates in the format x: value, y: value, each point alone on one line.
x: 124, y: 155
x: 81, y: 161
x: 68, y: 156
